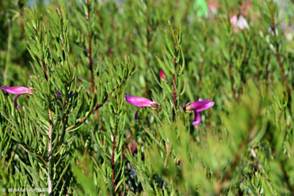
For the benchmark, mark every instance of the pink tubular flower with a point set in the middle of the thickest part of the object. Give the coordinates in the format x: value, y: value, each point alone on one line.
x: 239, y: 22
x: 140, y: 102
x: 197, y: 107
x: 17, y: 90
x: 162, y: 75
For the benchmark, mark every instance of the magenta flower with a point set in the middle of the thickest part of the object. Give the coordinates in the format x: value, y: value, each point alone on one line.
x: 140, y: 102
x: 17, y: 90
x: 162, y: 75
x: 197, y: 107
x: 59, y: 95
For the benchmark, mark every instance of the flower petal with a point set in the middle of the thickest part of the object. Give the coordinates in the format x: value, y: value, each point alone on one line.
x: 205, y: 107
x: 205, y: 101
x: 15, y: 102
x: 17, y: 90
x: 134, y: 146
x: 197, y: 118
x: 136, y: 115
x: 162, y: 75
x: 234, y: 20
x: 242, y: 23
x: 199, y: 104
x: 58, y: 94
x: 138, y: 101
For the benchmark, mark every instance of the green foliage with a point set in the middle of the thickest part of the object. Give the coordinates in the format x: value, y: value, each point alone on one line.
x: 76, y: 134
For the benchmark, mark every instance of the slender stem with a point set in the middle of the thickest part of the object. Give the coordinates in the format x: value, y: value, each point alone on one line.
x: 167, y: 154
x: 91, y: 60
x: 147, y: 32
x: 112, y: 160
x: 278, y: 53
x: 201, y: 68
x: 174, y: 79
x: 50, y: 154
x: 68, y: 191
x: 44, y: 69
x: 8, y: 52
x: 90, y: 49
x: 174, y: 91
x: 148, y: 39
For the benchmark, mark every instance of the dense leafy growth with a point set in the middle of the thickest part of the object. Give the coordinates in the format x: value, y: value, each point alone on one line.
x: 76, y: 132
